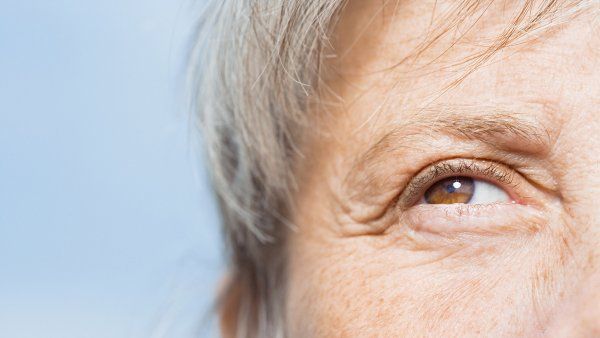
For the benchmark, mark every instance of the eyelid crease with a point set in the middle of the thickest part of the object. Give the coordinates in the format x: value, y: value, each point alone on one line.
x: 494, y: 132
x: 453, y: 167
x: 502, y: 129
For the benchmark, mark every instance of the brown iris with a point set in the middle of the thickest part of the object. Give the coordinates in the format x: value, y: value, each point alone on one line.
x: 450, y: 190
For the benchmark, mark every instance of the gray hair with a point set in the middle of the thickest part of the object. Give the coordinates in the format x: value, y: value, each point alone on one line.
x: 259, y: 61
x: 256, y: 65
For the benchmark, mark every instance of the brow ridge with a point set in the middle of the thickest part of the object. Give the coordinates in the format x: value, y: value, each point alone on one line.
x: 504, y: 130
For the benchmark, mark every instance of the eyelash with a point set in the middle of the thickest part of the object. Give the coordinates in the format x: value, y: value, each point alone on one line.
x: 480, y: 168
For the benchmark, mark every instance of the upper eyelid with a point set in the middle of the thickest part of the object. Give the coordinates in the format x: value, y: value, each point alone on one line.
x: 503, y: 130
x: 450, y: 167
x: 499, y: 132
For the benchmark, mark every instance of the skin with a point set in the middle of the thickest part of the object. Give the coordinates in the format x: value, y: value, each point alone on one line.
x: 367, y: 260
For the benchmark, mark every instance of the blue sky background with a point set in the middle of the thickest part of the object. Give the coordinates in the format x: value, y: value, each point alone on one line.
x: 107, y: 225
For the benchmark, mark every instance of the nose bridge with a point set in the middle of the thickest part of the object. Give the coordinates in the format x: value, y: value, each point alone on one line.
x: 579, y: 177
x: 583, y: 316
x: 578, y: 312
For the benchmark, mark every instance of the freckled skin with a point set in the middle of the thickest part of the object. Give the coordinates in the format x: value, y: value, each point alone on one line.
x: 544, y: 282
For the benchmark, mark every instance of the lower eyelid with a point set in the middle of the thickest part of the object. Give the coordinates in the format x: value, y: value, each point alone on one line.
x: 489, y: 219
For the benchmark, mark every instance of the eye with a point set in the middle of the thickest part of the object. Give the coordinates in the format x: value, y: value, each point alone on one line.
x: 463, y: 195
x: 466, y: 190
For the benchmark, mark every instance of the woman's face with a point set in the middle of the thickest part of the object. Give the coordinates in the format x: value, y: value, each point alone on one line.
x: 440, y: 210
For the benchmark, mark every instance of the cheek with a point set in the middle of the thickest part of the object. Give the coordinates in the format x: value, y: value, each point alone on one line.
x: 372, y: 286
x: 335, y: 291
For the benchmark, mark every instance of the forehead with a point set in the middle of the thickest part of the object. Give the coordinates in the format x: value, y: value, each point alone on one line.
x: 400, y: 58
x: 429, y: 32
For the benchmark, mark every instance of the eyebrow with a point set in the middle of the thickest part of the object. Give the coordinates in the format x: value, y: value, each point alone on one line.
x: 494, y: 128
x: 503, y: 130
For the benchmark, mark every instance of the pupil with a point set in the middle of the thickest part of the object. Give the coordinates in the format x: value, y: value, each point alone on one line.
x: 453, y: 186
